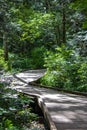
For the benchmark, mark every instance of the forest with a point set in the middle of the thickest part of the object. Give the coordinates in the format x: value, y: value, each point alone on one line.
x: 45, y: 34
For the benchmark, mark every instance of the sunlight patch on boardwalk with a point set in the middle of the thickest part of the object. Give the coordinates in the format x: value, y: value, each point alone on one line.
x: 67, y: 111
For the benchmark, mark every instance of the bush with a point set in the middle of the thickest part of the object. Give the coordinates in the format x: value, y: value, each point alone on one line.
x: 17, y: 62
x: 34, y: 61
x: 37, y: 56
x: 3, y: 64
x: 83, y: 76
x: 15, y: 110
x: 65, y: 69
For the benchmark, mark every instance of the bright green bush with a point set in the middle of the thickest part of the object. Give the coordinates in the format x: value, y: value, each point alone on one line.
x: 3, y: 64
x: 65, y: 69
x: 83, y: 76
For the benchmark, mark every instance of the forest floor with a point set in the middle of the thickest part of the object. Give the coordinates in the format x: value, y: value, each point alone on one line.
x: 64, y: 111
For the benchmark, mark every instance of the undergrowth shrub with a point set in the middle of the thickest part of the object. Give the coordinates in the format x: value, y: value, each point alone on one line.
x: 65, y: 69
x: 18, y: 62
x: 37, y: 56
x: 35, y: 60
x: 15, y: 110
x: 3, y: 64
x: 83, y: 76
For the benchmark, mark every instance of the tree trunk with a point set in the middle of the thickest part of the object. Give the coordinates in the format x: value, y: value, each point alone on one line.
x: 58, y: 35
x: 5, y: 46
x: 64, y: 25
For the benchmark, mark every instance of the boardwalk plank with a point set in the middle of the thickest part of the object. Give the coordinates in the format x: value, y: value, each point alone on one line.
x: 66, y: 111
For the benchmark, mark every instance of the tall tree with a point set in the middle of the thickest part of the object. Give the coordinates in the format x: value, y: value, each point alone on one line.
x: 6, y: 7
x: 4, y: 26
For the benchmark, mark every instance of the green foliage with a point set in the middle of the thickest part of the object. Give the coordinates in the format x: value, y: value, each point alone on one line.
x: 20, y: 63
x: 32, y: 61
x: 81, y: 6
x: 38, y: 29
x: 66, y: 69
x: 3, y: 64
x: 83, y: 76
x: 15, y: 110
x: 16, y: 62
x: 27, y: 26
x: 85, y: 24
x: 37, y: 56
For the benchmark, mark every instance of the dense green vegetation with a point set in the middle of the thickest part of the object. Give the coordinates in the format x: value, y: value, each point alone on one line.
x: 15, y: 110
x: 46, y: 34
x: 66, y: 70
x: 40, y: 34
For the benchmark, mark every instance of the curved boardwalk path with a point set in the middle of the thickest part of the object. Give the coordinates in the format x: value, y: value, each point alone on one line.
x: 63, y: 111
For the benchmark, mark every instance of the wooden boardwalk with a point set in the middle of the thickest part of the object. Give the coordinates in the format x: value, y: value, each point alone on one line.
x: 62, y: 111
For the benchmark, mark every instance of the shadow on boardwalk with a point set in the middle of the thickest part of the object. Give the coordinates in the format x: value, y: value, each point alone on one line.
x: 67, y: 111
